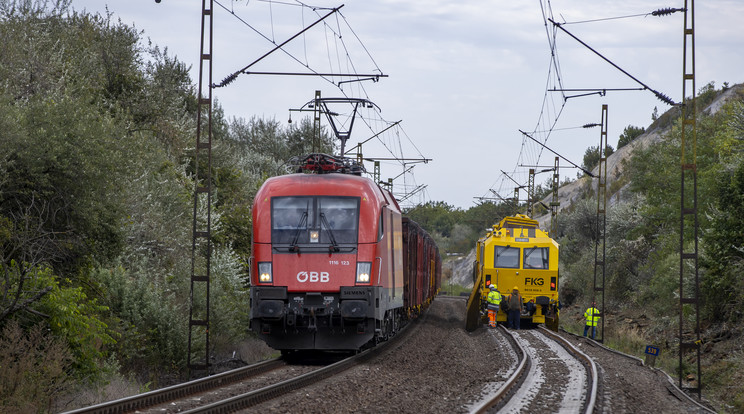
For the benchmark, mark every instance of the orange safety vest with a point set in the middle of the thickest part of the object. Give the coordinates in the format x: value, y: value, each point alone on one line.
x: 515, y: 301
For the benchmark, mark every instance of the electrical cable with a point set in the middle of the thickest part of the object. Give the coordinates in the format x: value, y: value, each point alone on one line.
x: 658, y: 94
x: 232, y: 77
x: 550, y: 111
x: 656, y: 13
x: 341, y: 50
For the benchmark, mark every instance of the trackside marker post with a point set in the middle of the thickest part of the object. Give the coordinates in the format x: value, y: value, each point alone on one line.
x: 651, y: 353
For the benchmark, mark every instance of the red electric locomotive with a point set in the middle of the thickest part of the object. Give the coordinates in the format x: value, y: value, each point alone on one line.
x: 335, y: 266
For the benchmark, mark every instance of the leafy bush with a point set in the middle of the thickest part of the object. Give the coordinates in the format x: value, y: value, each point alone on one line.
x: 148, y: 317
x: 77, y: 319
x: 66, y: 310
x: 33, y: 368
x: 231, y: 305
x: 724, y: 247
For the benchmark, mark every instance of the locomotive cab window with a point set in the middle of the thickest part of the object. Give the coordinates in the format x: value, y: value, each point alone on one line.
x: 338, y: 219
x: 536, y: 258
x: 301, y: 220
x: 506, y: 257
x: 291, y: 217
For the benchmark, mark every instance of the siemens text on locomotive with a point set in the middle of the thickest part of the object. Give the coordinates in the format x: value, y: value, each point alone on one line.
x: 335, y: 265
x: 516, y: 253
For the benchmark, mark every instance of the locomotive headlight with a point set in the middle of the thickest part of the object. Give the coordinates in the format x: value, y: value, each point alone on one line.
x: 314, y: 236
x: 363, y: 271
x: 264, y: 272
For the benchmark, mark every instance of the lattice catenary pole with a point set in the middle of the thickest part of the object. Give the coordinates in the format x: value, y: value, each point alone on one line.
x: 201, y: 244
x: 600, y: 247
x: 689, y: 283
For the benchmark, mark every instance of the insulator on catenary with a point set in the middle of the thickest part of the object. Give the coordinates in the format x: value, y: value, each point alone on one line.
x: 228, y: 80
x: 666, y: 11
x: 664, y: 98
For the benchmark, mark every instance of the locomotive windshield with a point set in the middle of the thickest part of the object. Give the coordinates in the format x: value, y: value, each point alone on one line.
x: 506, y: 257
x: 298, y: 221
x: 536, y: 258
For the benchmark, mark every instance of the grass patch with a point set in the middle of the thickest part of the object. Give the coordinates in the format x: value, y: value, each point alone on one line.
x: 454, y: 290
x: 631, y: 341
x: 723, y: 378
x: 571, y: 325
x: 626, y: 340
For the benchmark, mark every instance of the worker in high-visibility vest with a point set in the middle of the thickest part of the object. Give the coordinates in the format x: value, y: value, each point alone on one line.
x: 592, y: 318
x: 514, y: 314
x: 494, y: 298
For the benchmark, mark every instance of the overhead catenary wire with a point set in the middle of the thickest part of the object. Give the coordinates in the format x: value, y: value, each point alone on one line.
x: 230, y: 78
x: 656, y: 13
x: 343, y: 59
x: 589, y: 173
x: 366, y: 120
x: 548, y: 107
x: 658, y: 94
x: 550, y: 112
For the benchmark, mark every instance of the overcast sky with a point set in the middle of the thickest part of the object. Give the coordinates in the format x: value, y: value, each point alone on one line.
x: 463, y: 76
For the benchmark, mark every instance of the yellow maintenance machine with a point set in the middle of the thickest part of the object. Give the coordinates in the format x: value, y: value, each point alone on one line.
x: 516, y: 253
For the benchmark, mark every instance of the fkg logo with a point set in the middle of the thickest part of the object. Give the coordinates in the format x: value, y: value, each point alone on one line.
x: 304, y: 276
x: 535, y: 281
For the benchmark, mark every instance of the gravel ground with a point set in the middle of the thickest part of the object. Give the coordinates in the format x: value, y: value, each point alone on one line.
x: 627, y: 386
x: 556, y: 380
x: 439, y: 367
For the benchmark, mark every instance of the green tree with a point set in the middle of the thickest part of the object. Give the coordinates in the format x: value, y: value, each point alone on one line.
x: 92, y: 170
x: 435, y: 217
x: 724, y: 256
x: 629, y: 134
x: 591, y: 156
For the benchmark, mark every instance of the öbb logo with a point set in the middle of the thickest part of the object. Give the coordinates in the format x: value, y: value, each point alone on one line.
x: 304, y: 276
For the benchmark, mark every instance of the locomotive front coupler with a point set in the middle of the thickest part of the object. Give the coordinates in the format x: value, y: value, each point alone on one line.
x: 312, y: 323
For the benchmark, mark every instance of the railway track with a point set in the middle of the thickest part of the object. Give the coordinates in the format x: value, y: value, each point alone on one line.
x: 241, y: 388
x: 142, y: 401
x: 551, y: 375
x: 438, y: 367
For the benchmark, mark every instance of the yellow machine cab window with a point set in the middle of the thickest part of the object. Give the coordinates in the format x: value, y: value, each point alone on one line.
x: 536, y: 258
x: 506, y: 257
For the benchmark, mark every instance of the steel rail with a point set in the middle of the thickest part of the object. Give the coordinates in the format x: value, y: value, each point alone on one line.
x: 587, y: 361
x: 152, y: 398
x: 513, y: 382
x: 675, y: 390
x: 253, y: 398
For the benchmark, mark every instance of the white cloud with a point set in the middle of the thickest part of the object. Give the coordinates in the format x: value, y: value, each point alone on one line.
x: 464, y: 76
